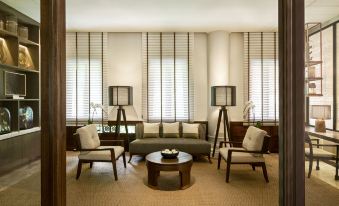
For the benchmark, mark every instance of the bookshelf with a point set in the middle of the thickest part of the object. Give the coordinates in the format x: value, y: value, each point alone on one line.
x: 20, y: 55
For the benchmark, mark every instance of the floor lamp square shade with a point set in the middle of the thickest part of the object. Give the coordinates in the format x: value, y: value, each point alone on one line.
x: 120, y: 95
x: 223, y: 96
x: 320, y: 113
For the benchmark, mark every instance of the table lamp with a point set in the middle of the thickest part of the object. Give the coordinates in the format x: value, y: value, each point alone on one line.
x: 320, y: 113
x: 120, y: 96
x: 222, y: 96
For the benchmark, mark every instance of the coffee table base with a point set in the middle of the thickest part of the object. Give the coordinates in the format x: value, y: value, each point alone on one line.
x: 184, y: 173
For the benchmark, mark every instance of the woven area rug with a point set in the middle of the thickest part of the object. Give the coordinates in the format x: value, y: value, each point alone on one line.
x: 96, y: 186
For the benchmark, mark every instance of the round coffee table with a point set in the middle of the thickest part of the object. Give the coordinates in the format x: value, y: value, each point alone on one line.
x: 156, y: 163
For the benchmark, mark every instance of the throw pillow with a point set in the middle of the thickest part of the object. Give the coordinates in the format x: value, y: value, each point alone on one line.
x: 190, y: 130
x: 89, y: 138
x: 151, y: 130
x: 254, y: 139
x: 170, y: 130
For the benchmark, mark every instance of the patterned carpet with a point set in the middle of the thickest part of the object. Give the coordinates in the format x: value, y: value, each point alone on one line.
x: 96, y: 186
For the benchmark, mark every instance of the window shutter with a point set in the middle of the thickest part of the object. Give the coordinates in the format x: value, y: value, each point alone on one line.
x: 85, y: 66
x: 261, y: 75
x: 167, y: 77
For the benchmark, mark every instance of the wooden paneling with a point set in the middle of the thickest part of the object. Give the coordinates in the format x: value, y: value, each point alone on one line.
x: 53, y: 103
x: 238, y: 131
x: 291, y: 102
x: 18, y: 151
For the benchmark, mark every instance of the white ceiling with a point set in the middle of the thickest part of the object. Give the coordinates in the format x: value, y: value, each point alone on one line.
x: 177, y: 15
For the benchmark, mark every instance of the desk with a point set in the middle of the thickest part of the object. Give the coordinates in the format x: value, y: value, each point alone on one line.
x: 331, y: 136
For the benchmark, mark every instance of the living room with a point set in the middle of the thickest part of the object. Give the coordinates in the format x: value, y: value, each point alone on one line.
x: 166, y: 102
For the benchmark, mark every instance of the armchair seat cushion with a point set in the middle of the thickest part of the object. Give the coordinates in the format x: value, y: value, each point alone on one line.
x: 104, y: 155
x: 317, y: 152
x: 240, y: 157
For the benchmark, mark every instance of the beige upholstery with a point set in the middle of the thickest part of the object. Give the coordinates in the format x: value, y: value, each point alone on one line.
x: 104, y: 155
x: 89, y: 138
x: 190, y: 130
x: 239, y: 157
x: 254, y: 138
x: 151, y: 130
x: 170, y: 130
x: 319, y: 152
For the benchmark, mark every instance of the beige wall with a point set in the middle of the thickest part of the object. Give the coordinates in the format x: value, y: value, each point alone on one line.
x: 200, y: 76
x: 237, y: 73
x: 125, y: 64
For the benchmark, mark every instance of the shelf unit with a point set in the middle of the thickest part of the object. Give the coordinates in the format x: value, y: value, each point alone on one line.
x: 313, y: 61
x: 11, y: 45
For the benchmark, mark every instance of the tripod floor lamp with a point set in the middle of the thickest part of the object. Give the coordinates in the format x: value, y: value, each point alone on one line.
x: 222, y: 96
x: 120, y: 96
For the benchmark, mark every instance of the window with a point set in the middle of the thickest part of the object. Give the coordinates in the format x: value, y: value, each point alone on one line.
x: 85, y: 66
x: 261, y: 75
x: 167, y: 79
x: 327, y: 72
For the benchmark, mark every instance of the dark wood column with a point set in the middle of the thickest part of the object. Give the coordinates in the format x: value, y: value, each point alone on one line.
x: 53, y: 104
x: 291, y: 88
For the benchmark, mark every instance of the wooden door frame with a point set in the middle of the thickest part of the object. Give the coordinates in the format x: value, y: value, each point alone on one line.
x: 53, y: 103
x: 53, y: 95
x: 291, y: 102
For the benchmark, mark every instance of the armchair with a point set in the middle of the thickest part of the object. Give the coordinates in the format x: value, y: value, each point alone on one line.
x: 88, y: 143
x: 254, y: 145
x: 320, y: 154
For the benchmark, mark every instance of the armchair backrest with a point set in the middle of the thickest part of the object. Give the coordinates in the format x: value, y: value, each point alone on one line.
x: 254, y: 139
x: 88, y: 136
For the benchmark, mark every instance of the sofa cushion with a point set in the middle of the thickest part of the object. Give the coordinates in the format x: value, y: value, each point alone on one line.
x: 191, y: 146
x: 190, y: 130
x: 170, y: 130
x: 104, y: 155
x: 254, y: 138
x: 151, y: 130
x: 89, y: 138
x: 240, y: 157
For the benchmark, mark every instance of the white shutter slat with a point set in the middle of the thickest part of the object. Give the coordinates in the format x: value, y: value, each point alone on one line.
x: 85, y: 69
x: 167, y: 91
x: 261, y: 74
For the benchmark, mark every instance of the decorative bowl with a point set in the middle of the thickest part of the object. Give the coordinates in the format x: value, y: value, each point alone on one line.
x: 169, y: 153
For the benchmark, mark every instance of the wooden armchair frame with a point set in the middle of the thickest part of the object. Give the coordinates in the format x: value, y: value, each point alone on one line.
x: 235, y: 150
x: 113, y: 159
x: 311, y: 156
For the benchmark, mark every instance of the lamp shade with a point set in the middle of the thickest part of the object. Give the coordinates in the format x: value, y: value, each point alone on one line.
x: 223, y: 96
x: 320, y: 111
x: 120, y: 95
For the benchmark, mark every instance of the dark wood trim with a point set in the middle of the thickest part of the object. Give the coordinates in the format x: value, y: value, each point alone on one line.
x: 335, y: 77
x: 161, y: 76
x: 147, y: 77
x: 175, y: 83
x: 275, y: 77
x: 89, y: 76
x: 291, y: 106
x: 188, y: 76
x: 323, y: 28
x: 102, y: 77
x: 53, y: 103
x: 76, y: 78
x: 262, y: 75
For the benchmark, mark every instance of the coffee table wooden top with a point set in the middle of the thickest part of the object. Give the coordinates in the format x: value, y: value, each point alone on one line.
x: 156, y: 158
